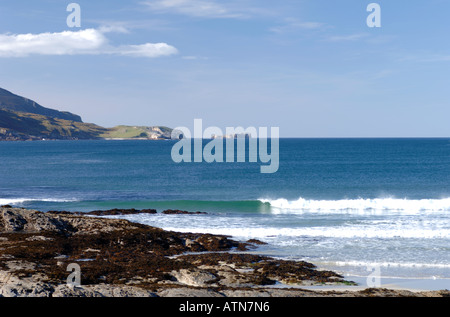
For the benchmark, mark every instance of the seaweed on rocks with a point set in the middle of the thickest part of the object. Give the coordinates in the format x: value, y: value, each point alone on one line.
x: 182, y: 212
x: 117, y: 256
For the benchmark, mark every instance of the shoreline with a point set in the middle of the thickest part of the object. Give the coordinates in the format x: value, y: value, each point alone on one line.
x: 410, y: 283
x: 119, y: 258
x: 93, y: 139
x: 393, y: 283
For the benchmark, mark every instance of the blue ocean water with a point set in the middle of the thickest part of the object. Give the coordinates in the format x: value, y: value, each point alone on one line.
x: 343, y: 204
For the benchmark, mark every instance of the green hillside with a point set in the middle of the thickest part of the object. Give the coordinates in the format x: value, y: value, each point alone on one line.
x: 12, y: 102
x: 35, y: 126
x: 23, y: 119
x: 137, y: 132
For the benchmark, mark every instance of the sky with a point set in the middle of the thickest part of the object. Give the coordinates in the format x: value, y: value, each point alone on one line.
x: 313, y: 68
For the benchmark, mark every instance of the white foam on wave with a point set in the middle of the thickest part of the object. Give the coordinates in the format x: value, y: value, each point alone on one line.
x: 236, y: 227
x: 18, y: 201
x: 317, y: 232
x: 392, y: 264
x: 410, y: 206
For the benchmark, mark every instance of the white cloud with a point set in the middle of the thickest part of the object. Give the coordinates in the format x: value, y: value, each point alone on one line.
x: 147, y: 50
x: 64, y: 43
x: 196, y: 8
x: 83, y: 42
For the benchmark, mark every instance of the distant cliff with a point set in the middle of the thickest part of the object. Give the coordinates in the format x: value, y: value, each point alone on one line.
x: 23, y: 119
x: 12, y: 102
x: 15, y: 126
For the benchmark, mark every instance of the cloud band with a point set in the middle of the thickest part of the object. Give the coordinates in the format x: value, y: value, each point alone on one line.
x: 82, y: 42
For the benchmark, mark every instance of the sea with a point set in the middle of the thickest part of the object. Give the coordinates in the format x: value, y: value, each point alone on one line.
x: 354, y: 206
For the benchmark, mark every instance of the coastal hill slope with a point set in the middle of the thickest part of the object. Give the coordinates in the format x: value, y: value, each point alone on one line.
x: 137, y: 132
x: 12, y: 102
x: 17, y: 126
x: 24, y: 119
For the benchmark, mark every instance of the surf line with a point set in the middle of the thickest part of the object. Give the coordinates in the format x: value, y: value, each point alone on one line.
x: 213, y: 151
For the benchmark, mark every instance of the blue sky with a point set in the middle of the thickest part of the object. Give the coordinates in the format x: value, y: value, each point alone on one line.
x: 313, y: 68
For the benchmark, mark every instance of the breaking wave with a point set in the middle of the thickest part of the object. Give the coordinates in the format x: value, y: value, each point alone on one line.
x: 359, y: 205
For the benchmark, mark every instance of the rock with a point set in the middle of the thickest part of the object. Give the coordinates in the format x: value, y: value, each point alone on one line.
x: 111, y: 212
x: 38, y: 238
x: 11, y: 221
x: 101, y: 290
x: 188, y: 292
x: 55, y: 212
x: 211, y: 243
x: 122, y: 291
x: 182, y: 212
x: 19, y: 265
x: 233, y: 279
x: 257, y: 242
x: 18, y: 219
x: 148, y: 211
x: 194, y: 277
x: 247, y: 293
x: 24, y: 290
x: 114, y: 212
x: 189, y: 243
x: 119, y: 258
x: 12, y: 286
x: 75, y: 291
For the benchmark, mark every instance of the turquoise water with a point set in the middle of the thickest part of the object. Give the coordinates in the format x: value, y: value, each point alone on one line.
x: 345, y: 204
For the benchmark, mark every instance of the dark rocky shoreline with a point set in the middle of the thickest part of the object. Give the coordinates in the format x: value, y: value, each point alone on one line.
x: 118, y: 258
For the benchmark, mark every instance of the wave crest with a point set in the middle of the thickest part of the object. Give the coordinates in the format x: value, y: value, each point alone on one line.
x: 360, y: 205
x: 18, y: 201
